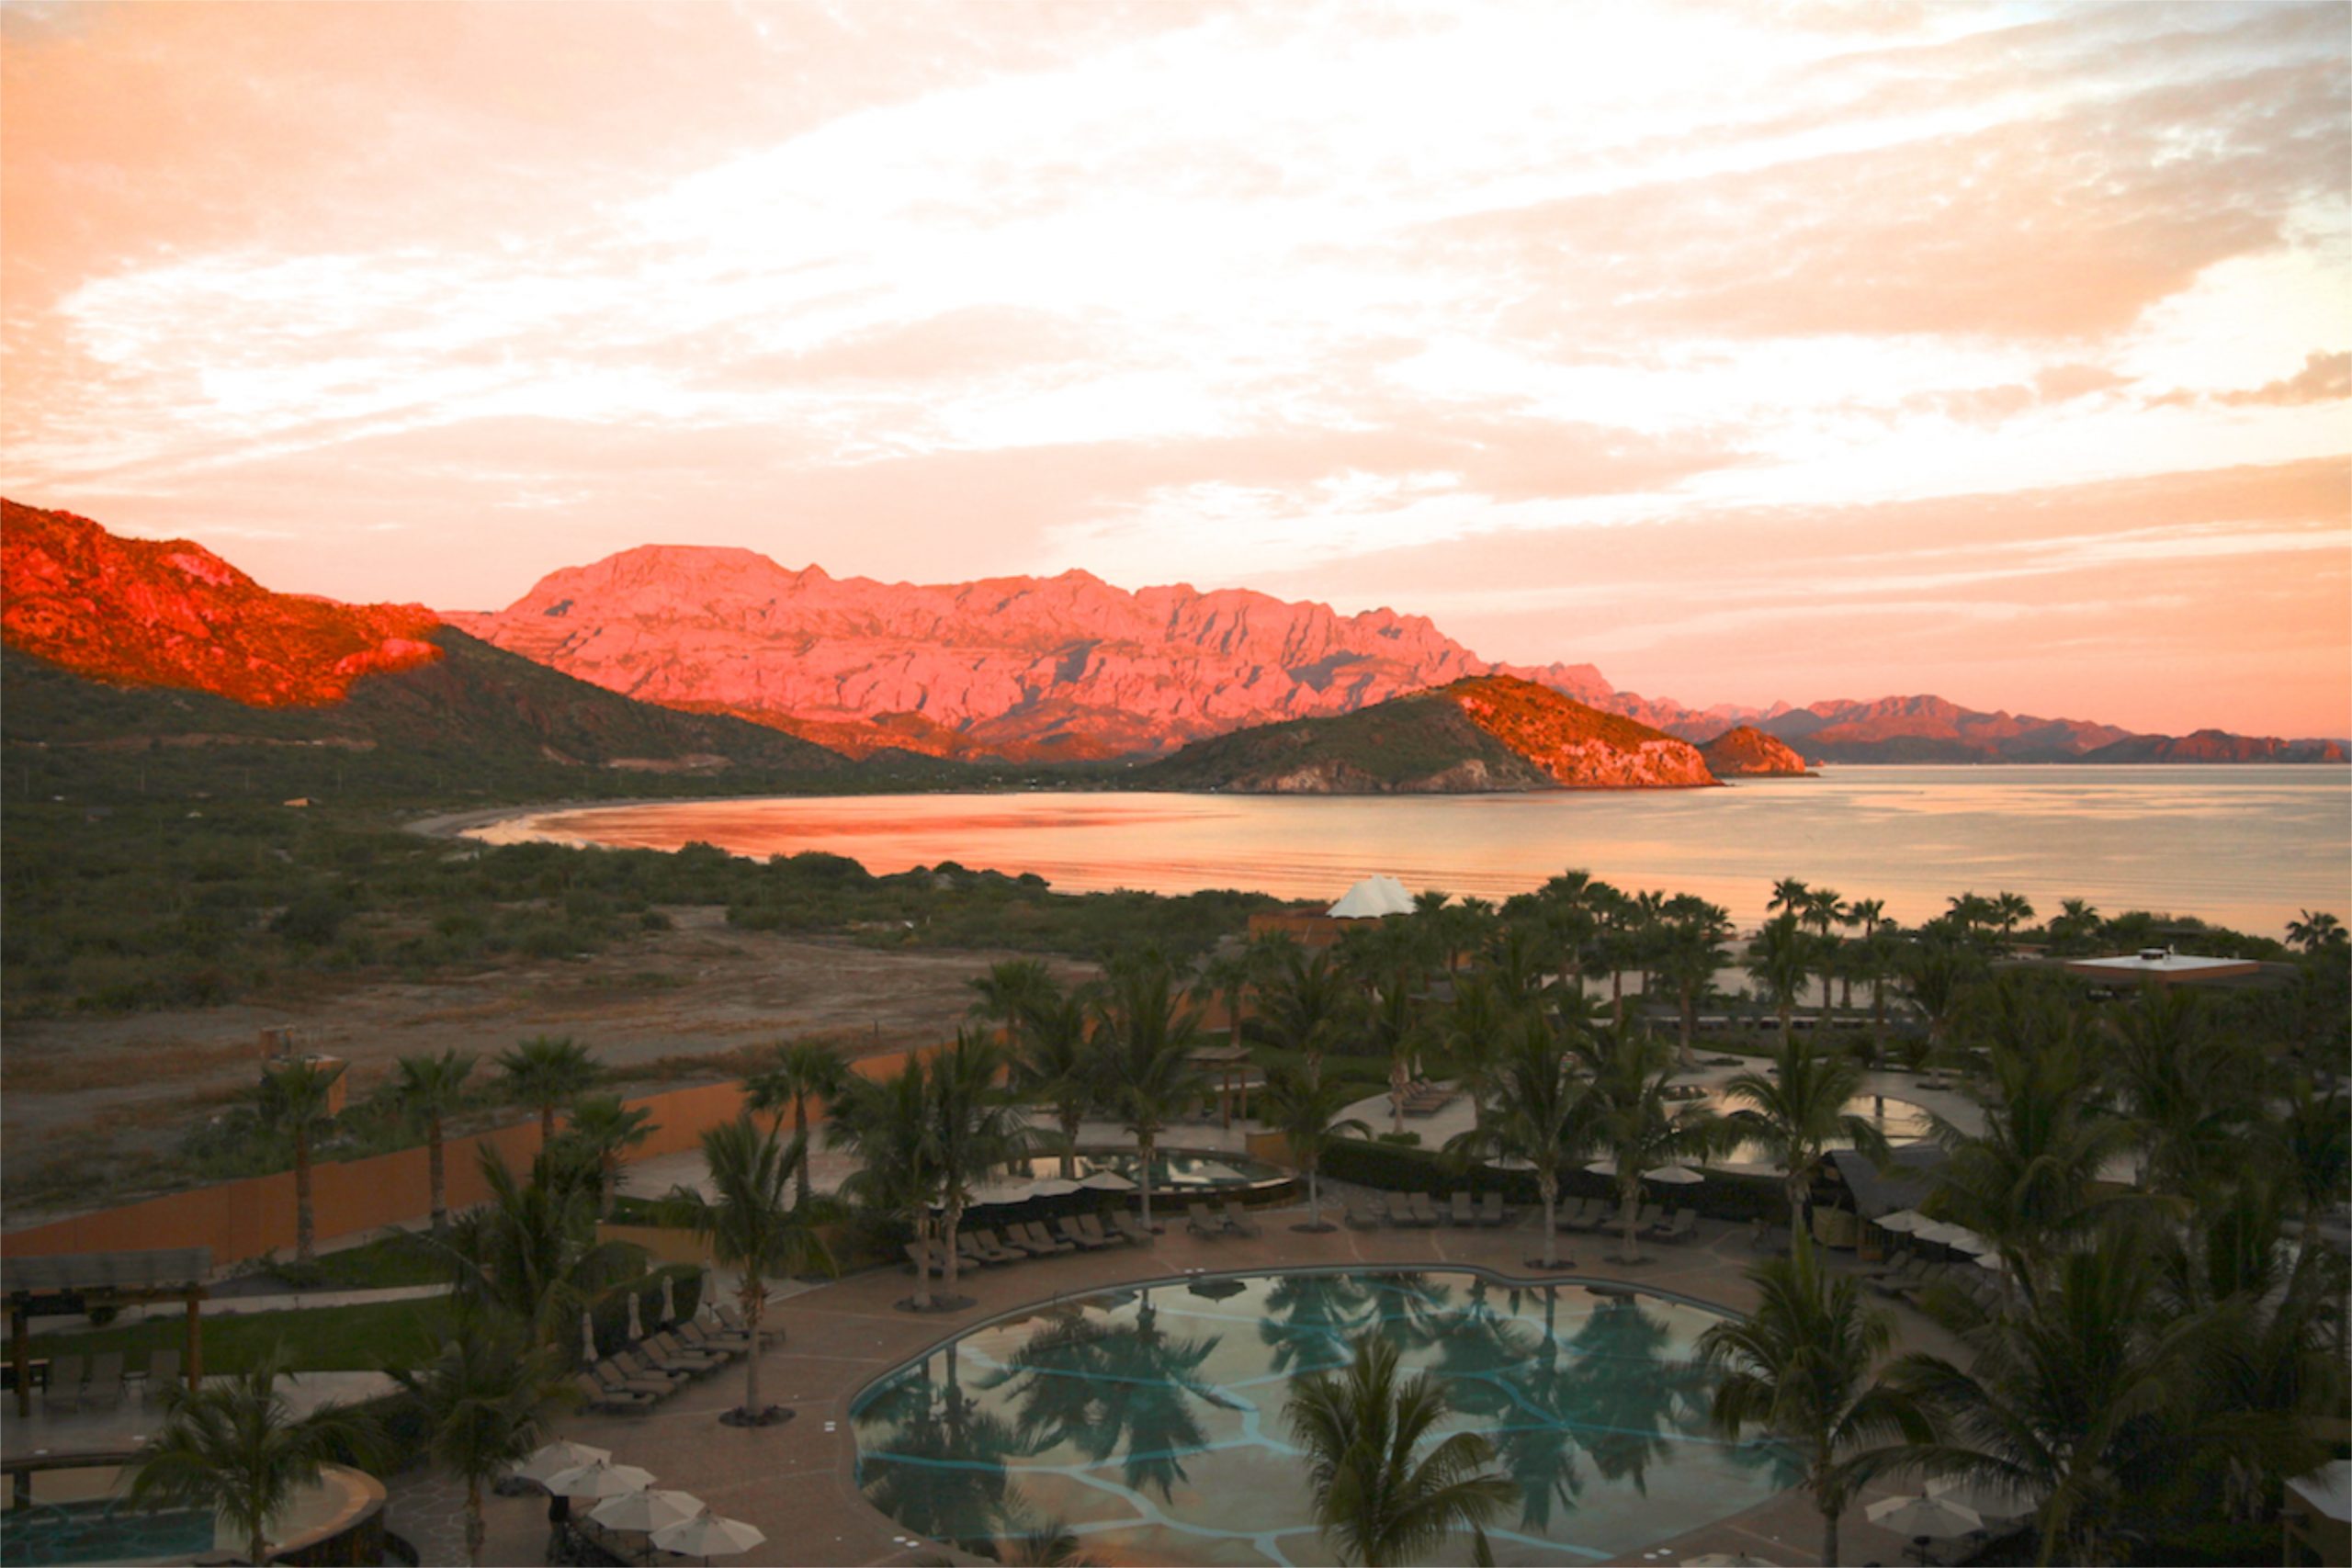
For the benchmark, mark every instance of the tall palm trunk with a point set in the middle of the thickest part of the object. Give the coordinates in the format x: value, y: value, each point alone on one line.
x: 752, y: 1298
x: 1787, y: 1031
x: 437, y: 1176
x: 476, y: 1530
x: 1399, y: 1078
x: 800, y: 1131
x: 1071, y: 1116
x: 922, y: 1261
x: 1547, y: 1182
x: 547, y: 1125
x: 1314, y: 1201
x: 1829, y: 1537
x: 1628, y: 1200
x: 305, y: 1238
x: 1143, y: 1161
x: 1690, y: 1024
x: 953, y: 1222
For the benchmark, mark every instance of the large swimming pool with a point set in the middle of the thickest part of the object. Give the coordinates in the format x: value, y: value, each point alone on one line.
x: 1149, y: 1423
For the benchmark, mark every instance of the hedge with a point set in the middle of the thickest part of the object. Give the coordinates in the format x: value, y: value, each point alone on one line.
x: 1391, y: 1168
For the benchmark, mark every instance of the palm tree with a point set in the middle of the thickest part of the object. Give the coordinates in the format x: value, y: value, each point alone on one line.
x: 2192, y: 1092
x: 234, y: 1446
x: 1012, y: 986
x: 601, y: 1131
x: 546, y: 1072
x: 1780, y: 959
x: 2073, y: 925
x: 1789, y: 896
x: 1690, y: 951
x: 1307, y: 1006
x: 1306, y: 1112
x: 1148, y: 1076
x: 2009, y: 911
x: 1228, y: 976
x: 1937, y: 973
x: 1796, y: 1110
x: 1374, y: 1500
x: 1824, y: 908
x: 485, y: 1400
x: 1629, y: 1115
x: 294, y: 1098
x: 1055, y: 1064
x: 975, y: 1128
x: 886, y: 1122
x: 803, y: 1071
x: 750, y: 1228
x: 1472, y: 1031
x: 2311, y: 1141
x: 1538, y: 1119
x: 2312, y: 932
x: 531, y: 1251
x: 1800, y: 1366
x: 429, y: 1089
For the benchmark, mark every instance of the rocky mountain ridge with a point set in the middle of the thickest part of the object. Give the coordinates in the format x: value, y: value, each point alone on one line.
x: 1746, y: 751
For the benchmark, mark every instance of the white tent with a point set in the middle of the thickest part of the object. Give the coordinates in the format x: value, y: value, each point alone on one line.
x: 1373, y: 897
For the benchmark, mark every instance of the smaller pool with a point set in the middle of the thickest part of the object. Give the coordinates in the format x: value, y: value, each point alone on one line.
x: 1173, y: 1170
x: 1900, y: 1121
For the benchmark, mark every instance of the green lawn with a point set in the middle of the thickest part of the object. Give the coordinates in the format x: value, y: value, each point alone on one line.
x: 333, y: 1339
x: 388, y: 1261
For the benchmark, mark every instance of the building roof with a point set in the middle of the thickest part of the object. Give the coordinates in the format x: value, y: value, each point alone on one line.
x: 164, y: 1269
x: 1904, y: 1184
x: 1373, y: 897
x: 2328, y: 1489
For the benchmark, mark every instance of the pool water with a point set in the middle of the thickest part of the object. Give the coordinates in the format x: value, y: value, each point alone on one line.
x: 1175, y: 1171
x: 1898, y: 1120
x: 1149, y: 1423
x: 100, y: 1531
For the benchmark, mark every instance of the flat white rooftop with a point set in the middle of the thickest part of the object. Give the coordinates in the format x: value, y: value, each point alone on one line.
x: 2161, y: 966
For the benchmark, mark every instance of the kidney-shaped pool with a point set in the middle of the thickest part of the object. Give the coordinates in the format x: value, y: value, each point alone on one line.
x: 1149, y: 1422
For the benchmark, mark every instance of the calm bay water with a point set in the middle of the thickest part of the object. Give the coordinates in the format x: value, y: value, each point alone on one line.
x: 2246, y: 847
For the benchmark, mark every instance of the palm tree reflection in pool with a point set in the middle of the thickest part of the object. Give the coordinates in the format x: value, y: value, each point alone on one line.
x: 940, y: 1468
x: 1101, y: 1387
x: 1310, y: 1318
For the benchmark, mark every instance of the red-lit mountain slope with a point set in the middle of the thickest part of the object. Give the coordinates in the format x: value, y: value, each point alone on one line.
x: 1485, y: 733
x: 1023, y: 667
x: 168, y: 613
x: 1748, y: 752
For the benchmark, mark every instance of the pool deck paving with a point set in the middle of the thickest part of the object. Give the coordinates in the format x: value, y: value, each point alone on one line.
x: 797, y: 1482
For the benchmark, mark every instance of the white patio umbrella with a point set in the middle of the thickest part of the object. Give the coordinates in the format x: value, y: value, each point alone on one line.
x: 646, y: 1511
x: 1932, y: 1517
x: 1993, y: 1260
x: 1943, y: 1234
x: 1674, y: 1175
x: 599, y: 1478
x: 1903, y: 1220
x: 1971, y: 1241
x: 992, y: 1193
x: 1993, y: 1502
x: 1054, y: 1186
x: 707, y: 1535
x: 1107, y: 1182
x: 557, y: 1458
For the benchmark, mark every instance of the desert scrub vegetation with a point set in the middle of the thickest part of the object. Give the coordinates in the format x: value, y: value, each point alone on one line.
x: 137, y: 907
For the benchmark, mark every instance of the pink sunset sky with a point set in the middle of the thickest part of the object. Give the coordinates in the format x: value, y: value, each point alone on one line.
x: 1751, y: 352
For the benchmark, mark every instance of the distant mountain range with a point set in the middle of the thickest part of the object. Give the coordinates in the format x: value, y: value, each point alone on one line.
x: 1026, y: 668
x: 1485, y: 733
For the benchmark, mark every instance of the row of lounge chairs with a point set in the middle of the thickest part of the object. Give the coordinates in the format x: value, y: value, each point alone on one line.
x: 101, y: 1382
x: 1603, y: 1215
x: 1230, y: 1216
x: 660, y: 1364
x: 1915, y: 1274
x: 1016, y: 1243
x: 1415, y: 1210
x: 1429, y: 1099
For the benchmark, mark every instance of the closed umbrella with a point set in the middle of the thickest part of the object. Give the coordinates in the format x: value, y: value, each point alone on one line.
x: 669, y: 1298
x: 599, y: 1478
x: 1928, y: 1517
x: 588, y: 1338
x: 707, y: 1535
x: 636, y: 1324
x: 646, y: 1511
x: 557, y: 1458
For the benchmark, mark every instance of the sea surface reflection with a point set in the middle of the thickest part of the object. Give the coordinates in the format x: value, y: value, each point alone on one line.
x: 2246, y: 847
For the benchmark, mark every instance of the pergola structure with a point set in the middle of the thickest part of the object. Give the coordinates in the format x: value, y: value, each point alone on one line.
x: 68, y: 1284
x: 1230, y: 1066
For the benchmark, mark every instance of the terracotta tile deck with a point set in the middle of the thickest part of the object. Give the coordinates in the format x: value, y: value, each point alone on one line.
x: 796, y: 1481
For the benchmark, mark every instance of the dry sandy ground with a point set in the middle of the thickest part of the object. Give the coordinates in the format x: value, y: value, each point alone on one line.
x: 95, y: 1089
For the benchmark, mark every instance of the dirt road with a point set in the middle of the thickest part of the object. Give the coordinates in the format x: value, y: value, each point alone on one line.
x: 96, y: 1094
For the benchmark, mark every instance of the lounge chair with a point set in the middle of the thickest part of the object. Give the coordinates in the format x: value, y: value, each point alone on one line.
x: 611, y: 1373
x: 921, y: 1259
x: 1464, y: 1215
x: 1579, y: 1215
x: 1681, y: 1227
x: 163, y: 1372
x: 735, y: 1324
x: 1090, y: 1227
x: 1002, y: 1248
x: 968, y: 1248
x: 1201, y: 1222
x: 105, y: 1389
x: 1040, y: 1240
x: 601, y: 1396
x: 668, y: 1351
x: 1361, y: 1215
x: 64, y: 1389
x: 695, y: 1337
x: 1068, y: 1229
x: 1237, y: 1218
x: 1133, y: 1228
x: 1491, y: 1211
x: 635, y: 1365
x: 1424, y: 1211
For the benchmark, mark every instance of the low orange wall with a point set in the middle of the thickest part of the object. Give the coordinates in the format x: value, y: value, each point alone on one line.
x: 245, y: 1218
